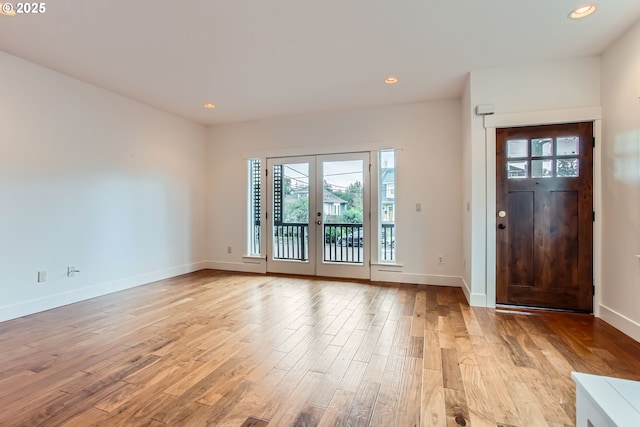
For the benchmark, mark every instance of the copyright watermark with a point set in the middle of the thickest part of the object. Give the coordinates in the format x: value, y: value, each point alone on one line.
x: 23, y: 8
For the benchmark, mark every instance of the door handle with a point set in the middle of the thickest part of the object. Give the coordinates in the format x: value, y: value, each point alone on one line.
x: 502, y: 226
x: 319, y: 222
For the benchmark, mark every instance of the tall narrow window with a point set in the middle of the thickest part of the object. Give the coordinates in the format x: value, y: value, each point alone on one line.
x: 387, y: 205
x: 254, y: 233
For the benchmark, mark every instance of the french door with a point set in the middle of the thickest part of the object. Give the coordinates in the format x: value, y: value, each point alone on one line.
x: 318, y: 215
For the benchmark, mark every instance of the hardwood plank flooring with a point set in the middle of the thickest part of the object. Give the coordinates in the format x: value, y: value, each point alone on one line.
x: 217, y: 348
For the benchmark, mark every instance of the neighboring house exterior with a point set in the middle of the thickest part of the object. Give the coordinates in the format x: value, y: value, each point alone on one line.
x: 298, y: 192
x: 517, y: 169
x: 332, y: 205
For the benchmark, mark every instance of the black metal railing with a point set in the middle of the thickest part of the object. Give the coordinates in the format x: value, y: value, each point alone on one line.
x: 291, y: 241
x: 388, y: 243
x: 343, y: 243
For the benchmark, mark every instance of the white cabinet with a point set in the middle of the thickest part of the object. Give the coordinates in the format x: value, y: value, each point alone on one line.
x: 606, y: 402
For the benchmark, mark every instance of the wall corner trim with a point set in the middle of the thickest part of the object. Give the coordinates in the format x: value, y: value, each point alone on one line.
x: 474, y: 299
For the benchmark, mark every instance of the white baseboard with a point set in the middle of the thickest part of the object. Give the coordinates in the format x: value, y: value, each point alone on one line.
x: 24, y: 308
x: 386, y: 275
x: 416, y: 279
x: 620, y: 322
x: 244, y: 267
x: 466, y: 290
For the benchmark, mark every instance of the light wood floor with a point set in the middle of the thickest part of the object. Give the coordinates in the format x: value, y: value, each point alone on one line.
x: 223, y: 349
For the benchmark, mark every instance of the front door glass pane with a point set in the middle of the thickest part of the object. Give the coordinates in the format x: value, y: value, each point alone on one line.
x: 517, y: 148
x: 567, y: 168
x: 517, y: 169
x: 567, y: 145
x: 541, y: 147
x: 542, y: 168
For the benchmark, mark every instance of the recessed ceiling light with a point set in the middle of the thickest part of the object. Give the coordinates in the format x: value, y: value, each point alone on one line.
x: 209, y: 105
x: 7, y: 9
x: 391, y: 80
x: 583, y: 11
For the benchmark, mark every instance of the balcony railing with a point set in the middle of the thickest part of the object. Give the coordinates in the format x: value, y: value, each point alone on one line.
x: 291, y: 241
x: 343, y: 243
x: 388, y: 243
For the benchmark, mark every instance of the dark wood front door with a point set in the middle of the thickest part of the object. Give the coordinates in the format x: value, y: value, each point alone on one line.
x: 544, y: 216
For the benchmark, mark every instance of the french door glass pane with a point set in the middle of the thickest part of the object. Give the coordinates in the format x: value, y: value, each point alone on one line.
x: 291, y: 211
x: 342, y: 211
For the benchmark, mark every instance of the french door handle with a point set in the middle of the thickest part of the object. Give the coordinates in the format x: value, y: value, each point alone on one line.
x: 502, y: 226
x: 319, y: 222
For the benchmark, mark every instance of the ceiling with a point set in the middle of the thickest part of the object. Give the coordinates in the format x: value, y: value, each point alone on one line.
x: 256, y: 59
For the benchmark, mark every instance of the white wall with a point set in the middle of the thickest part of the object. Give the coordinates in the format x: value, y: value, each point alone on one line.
x: 92, y: 180
x: 621, y: 183
x: 428, y: 137
x: 526, y: 90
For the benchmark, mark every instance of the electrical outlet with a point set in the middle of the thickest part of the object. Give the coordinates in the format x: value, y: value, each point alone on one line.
x: 440, y: 259
x: 42, y: 276
x: 228, y: 249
